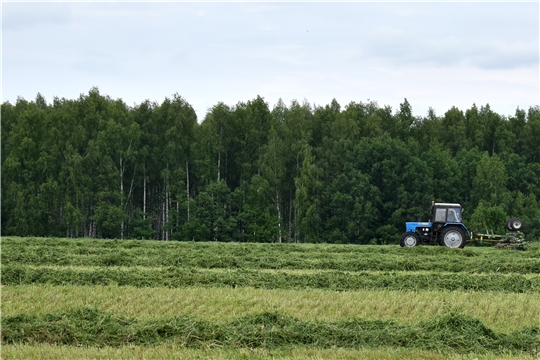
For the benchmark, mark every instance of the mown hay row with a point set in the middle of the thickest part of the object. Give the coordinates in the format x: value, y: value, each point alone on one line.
x: 499, y: 311
x: 90, y: 245
x: 265, y: 256
x: 332, y: 280
x: 91, y: 327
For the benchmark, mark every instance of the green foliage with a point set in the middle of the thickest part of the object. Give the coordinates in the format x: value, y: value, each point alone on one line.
x: 490, y: 182
x: 447, y: 174
x: 487, y: 218
x: 95, y: 167
x: 381, y: 187
x: 109, y: 215
x: 141, y: 228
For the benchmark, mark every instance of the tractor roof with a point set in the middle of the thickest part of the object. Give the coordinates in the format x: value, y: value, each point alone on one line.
x: 447, y: 204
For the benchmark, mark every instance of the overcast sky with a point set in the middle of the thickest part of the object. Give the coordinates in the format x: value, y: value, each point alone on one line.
x: 434, y: 54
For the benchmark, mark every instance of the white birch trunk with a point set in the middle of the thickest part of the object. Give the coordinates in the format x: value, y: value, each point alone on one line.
x: 219, y: 155
x: 218, y: 166
x: 144, y: 195
x: 290, y: 219
x: 121, y: 196
x: 279, y: 216
x: 187, y: 188
x: 162, y: 219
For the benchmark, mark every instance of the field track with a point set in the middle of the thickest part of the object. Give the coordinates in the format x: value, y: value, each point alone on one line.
x: 234, y: 300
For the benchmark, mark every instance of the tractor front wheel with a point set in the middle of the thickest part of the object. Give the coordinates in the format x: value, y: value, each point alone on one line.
x: 409, y: 240
x: 453, y: 237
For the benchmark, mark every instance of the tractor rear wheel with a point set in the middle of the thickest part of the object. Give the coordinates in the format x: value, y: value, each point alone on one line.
x: 409, y: 239
x: 453, y: 237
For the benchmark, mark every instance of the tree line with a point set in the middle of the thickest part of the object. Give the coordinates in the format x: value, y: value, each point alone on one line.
x: 96, y: 167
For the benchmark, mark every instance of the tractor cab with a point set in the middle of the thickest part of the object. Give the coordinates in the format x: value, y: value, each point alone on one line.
x: 445, y: 213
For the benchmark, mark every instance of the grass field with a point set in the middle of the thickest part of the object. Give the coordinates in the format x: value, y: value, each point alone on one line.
x: 175, y: 351
x: 64, y: 298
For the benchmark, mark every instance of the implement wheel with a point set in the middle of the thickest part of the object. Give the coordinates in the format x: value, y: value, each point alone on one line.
x: 453, y: 237
x: 409, y: 240
x: 515, y: 224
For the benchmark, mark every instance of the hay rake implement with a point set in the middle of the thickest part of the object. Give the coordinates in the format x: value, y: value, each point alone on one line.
x: 511, y: 241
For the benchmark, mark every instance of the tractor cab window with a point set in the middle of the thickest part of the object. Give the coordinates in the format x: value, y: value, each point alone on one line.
x: 440, y: 215
x: 454, y: 215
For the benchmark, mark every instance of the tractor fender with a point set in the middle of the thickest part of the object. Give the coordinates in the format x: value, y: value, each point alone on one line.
x: 465, y: 230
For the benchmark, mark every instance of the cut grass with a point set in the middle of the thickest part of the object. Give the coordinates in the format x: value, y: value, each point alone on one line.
x: 499, y: 311
x: 266, y: 271
x: 86, y: 252
x: 331, y: 280
x: 175, y: 351
x: 400, y: 298
x: 452, y: 331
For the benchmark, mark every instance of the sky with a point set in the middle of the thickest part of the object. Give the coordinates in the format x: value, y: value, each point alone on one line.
x: 435, y: 54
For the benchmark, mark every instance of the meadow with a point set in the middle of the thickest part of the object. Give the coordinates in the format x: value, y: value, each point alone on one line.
x: 86, y: 298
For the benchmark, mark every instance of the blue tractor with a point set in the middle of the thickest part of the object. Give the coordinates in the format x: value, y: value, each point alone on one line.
x: 444, y: 228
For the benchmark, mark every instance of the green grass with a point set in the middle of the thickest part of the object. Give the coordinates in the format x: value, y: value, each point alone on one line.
x: 499, y: 311
x: 332, y: 280
x: 91, y: 327
x: 86, y: 252
x: 109, y: 298
x: 173, y: 351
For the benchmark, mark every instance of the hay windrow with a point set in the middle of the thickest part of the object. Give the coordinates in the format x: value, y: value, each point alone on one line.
x: 86, y: 252
x: 452, y: 331
x: 500, y: 311
x: 332, y: 280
